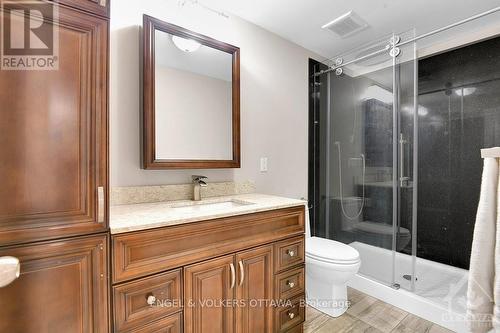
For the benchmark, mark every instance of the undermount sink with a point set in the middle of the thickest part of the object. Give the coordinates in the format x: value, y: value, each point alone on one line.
x: 210, y: 205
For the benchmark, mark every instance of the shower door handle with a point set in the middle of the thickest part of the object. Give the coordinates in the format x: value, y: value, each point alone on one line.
x: 403, y: 180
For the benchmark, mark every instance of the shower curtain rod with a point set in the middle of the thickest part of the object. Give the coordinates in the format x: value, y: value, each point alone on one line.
x: 433, y: 32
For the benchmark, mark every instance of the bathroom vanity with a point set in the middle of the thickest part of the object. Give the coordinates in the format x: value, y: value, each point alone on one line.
x: 230, y: 264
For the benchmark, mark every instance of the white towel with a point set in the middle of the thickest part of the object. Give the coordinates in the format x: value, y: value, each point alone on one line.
x: 483, y: 311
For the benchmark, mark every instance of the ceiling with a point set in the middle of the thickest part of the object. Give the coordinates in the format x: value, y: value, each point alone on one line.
x: 300, y: 21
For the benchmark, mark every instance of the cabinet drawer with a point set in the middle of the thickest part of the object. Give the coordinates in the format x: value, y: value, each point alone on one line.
x: 288, y: 253
x: 140, y: 253
x: 289, y: 283
x: 171, y: 324
x: 131, y: 305
x: 286, y: 317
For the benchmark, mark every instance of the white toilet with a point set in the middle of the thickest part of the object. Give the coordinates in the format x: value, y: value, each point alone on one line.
x: 329, y: 265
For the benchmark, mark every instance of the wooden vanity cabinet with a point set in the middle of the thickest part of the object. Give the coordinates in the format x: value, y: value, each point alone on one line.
x: 241, y: 274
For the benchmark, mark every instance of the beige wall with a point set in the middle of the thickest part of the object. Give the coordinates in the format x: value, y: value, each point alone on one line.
x: 274, y: 101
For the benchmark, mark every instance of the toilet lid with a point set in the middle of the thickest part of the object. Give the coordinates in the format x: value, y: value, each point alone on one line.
x: 379, y: 228
x: 331, y: 251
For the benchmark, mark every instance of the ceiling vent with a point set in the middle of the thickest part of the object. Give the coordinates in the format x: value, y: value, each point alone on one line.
x: 346, y: 25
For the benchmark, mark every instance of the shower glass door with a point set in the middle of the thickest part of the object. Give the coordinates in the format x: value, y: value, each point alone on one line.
x: 363, y: 157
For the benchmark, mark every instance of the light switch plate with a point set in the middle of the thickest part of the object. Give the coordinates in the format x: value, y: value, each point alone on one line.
x: 263, y: 164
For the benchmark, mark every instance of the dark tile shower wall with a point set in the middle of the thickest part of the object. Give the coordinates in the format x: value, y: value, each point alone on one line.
x: 459, y: 95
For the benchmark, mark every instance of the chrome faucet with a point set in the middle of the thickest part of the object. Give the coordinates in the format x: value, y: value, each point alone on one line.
x: 198, y: 183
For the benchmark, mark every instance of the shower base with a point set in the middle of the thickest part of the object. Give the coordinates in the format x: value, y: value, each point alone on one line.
x: 440, y: 290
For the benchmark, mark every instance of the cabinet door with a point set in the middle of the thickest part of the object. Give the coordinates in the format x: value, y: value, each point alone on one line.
x: 255, y: 289
x: 208, y: 286
x: 63, y: 287
x: 53, y: 138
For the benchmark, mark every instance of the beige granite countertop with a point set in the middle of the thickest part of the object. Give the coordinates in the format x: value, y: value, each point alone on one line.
x: 125, y: 218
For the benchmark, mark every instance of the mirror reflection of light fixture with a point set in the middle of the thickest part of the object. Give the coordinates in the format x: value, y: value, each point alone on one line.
x: 378, y: 93
x: 186, y: 45
x: 465, y: 91
x: 422, y: 110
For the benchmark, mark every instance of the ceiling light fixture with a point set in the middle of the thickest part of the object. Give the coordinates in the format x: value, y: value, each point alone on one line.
x: 465, y: 91
x: 186, y: 45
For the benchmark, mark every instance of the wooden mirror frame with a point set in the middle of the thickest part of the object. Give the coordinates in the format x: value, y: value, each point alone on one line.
x: 150, y: 25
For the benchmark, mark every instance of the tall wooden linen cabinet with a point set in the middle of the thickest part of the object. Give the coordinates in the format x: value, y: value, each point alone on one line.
x: 54, y: 181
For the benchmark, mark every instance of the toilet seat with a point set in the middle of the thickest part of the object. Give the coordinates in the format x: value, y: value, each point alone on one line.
x: 330, y: 251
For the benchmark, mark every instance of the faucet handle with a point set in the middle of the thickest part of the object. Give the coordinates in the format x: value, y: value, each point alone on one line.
x: 199, y: 180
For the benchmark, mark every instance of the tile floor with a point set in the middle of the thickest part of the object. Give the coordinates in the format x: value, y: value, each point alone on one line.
x: 370, y: 315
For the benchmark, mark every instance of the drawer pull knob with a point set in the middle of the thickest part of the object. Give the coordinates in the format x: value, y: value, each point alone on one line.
x: 10, y: 269
x: 291, y: 284
x: 291, y: 315
x: 151, y: 300
x: 291, y: 253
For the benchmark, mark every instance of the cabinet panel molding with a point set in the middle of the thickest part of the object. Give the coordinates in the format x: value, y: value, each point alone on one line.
x: 97, y: 7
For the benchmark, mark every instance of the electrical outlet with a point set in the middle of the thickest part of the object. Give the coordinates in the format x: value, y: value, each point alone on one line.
x: 263, y: 164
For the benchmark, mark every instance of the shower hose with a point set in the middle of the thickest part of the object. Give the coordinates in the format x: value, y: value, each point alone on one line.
x: 337, y: 143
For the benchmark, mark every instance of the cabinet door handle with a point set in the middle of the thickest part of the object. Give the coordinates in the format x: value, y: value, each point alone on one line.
x: 291, y: 315
x: 10, y: 269
x: 242, y: 273
x: 290, y: 284
x: 291, y: 253
x: 233, y: 275
x: 100, y: 204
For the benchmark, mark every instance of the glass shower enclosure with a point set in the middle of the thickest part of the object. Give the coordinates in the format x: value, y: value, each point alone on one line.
x: 395, y: 167
x: 365, y: 116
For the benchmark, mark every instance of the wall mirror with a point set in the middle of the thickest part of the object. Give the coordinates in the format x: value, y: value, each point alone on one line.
x: 191, y: 96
